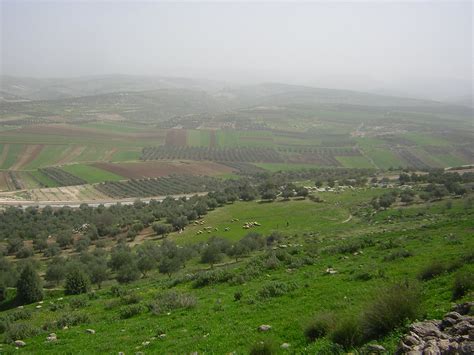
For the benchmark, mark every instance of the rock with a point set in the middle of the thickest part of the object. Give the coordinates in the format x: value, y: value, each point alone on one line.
x: 375, y: 348
x: 285, y: 346
x: 454, y: 334
x: 264, y: 328
x: 121, y: 353
x: 20, y: 343
x: 162, y: 336
x: 38, y: 307
x: 146, y: 343
x: 52, y: 337
x: 90, y: 331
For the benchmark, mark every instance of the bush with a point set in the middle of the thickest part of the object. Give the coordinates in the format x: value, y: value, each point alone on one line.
x: 130, y: 311
x: 70, y: 319
x: 431, y: 270
x: 319, y: 326
x: 77, y: 282
x: 131, y: 298
x: 29, y: 288
x: 390, y: 308
x: 20, y: 314
x: 238, y: 295
x: 276, y: 289
x: 118, y: 291
x: 78, y: 302
x: 463, y: 283
x: 20, y: 331
x: 212, y: 277
x: 263, y: 347
x: 398, y: 254
x: 347, y: 333
x: 168, y: 301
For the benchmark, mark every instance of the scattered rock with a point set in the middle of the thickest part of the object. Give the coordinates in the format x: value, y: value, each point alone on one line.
x: 20, y: 343
x: 331, y: 271
x: 264, y: 328
x: 38, y: 307
x: 52, y: 337
x: 146, y: 343
x: 454, y: 334
x: 285, y: 346
x: 375, y: 349
x: 90, y: 331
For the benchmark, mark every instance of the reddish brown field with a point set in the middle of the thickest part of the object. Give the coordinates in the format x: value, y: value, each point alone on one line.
x: 176, y: 137
x: 164, y: 168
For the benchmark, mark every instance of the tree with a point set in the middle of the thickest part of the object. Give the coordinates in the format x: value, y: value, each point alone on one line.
x: 269, y: 194
x: 77, y: 281
x: 302, y: 191
x: 169, y: 265
x: 29, y: 288
x: 161, y: 229
x: 211, y: 254
x: 318, y: 183
x: 98, y: 272
x: 239, y: 250
x: 52, y: 250
x: 287, y: 193
x: 55, y: 272
x: 146, y: 263
x: 331, y: 183
x: 128, y: 273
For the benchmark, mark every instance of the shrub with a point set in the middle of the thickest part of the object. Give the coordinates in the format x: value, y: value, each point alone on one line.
x: 276, y: 289
x: 78, y: 302
x: 398, y: 254
x: 211, y: 277
x: 20, y: 331
x: 118, y: 291
x: 130, y: 311
x: 70, y: 319
x: 390, y: 308
x: 238, y: 295
x: 463, y: 283
x: 77, y: 282
x: 347, y: 333
x: 168, y: 301
x: 431, y: 270
x: 24, y: 252
x: 319, y: 326
x: 263, y: 347
x: 20, y: 314
x: 131, y: 298
x: 29, y: 288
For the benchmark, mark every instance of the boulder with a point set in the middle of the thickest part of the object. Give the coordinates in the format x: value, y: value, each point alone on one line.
x: 285, y: 346
x: 20, y: 343
x: 90, y: 331
x: 264, y: 328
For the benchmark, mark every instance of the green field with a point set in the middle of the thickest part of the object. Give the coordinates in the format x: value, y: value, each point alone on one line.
x: 355, y: 162
x: 198, y: 138
x: 91, y: 174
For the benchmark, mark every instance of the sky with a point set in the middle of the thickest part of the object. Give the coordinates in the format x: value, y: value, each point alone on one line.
x: 404, y: 45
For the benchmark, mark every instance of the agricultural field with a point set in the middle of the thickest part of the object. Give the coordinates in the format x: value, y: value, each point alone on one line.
x: 333, y: 257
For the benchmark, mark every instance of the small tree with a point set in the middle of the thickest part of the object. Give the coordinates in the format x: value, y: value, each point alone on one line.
x: 55, y: 272
x: 29, y: 288
x: 77, y: 282
x: 98, y: 272
x: 161, y: 229
x: 211, y: 254
x: 302, y: 192
x: 145, y: 264
x: 318, y: 183
x: 169, y: 265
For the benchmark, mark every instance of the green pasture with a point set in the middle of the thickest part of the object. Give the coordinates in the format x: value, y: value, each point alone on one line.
x: 90, y: 173
x: 197, y: 138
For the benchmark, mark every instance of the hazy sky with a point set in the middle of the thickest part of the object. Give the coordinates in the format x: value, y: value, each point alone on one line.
x: 368, y: 43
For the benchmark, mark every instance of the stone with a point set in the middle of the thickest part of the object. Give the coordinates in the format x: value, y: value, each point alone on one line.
x: 52, y: 337
x: 424, y: 329
x: 375, y: 348
x: 20, y: 343
x: 90, y: 331
x: 264, y: 328
x: 285, y: 346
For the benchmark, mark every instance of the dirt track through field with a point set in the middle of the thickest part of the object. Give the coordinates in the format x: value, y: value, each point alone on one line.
x: 28, y: 154
x: 4, y: 155
x: 71, y: 153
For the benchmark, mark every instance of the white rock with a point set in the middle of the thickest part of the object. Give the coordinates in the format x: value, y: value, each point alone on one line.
x: 264, y: 328
x: 285, y: 346
x: 90, y: 331
x: 20, y: 343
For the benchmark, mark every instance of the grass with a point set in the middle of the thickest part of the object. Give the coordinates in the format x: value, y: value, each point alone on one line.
x: 197, y: 138
x: 90, y: 173
x: 14, y: 151
x: 48, y: 156
x: 43, y: 179
x: 285, y: 167
x: 355, y: 162
x: 217, y: 322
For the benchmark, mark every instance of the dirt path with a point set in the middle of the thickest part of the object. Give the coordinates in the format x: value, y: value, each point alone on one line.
x: 73, y: 153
